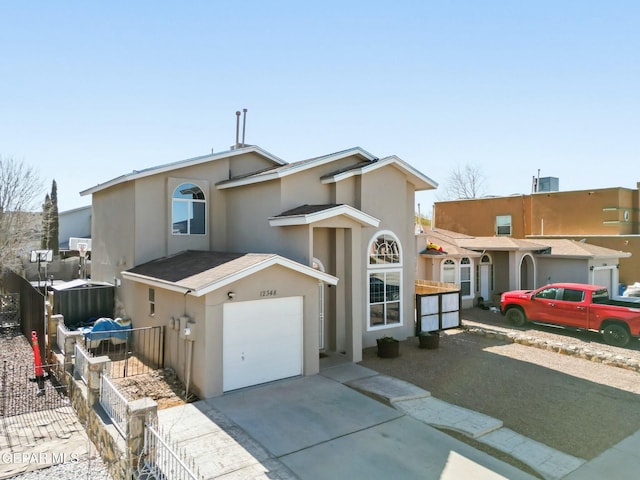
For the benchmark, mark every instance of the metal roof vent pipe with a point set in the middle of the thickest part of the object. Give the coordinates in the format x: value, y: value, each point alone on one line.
x: 237, y: 130
x: 244, y: 124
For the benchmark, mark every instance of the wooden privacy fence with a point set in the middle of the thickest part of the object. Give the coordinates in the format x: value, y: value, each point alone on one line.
x: 31, y: 305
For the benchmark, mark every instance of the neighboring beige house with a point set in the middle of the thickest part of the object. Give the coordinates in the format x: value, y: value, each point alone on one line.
x: 487, y: 266
x: 256, y: 265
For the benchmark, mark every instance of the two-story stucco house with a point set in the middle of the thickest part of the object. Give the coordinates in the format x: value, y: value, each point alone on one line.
x: 256, y: 265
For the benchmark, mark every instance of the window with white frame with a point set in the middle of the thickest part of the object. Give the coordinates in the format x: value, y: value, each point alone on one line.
x: 448, y: 274
x: 152, y: 302
x: 503, y: 225
x: 465, y: 276
x: 189, y: 209
x: 385, y: 281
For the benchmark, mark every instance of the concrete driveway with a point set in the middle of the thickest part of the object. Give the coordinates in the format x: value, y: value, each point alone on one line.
x: 319, y: 428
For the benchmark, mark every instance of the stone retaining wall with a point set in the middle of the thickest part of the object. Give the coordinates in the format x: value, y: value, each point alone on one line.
x: 109, y: 442
x: 119, y: 454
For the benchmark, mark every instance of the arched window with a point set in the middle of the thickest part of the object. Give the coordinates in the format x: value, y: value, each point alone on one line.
x: 385, y: 281
x: 189, y: 209
x: 384, y: 249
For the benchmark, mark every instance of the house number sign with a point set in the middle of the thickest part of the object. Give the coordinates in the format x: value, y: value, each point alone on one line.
x: 268, y: 293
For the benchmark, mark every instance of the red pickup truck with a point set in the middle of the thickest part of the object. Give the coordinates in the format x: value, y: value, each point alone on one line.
x: 575, y: 306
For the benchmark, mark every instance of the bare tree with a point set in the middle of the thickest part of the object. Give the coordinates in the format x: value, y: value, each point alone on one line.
x: 465, y: 182
x: 20, y: 185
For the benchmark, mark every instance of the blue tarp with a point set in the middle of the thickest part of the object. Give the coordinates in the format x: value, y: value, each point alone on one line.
x: 106, y: 328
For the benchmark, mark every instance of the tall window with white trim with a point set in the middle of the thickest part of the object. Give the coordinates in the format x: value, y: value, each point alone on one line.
x: 465, y: 276
x: 385, y: 281
x: 189, y: 209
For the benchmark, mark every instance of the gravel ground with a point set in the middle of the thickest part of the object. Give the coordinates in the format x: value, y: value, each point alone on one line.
x: 163, y: 386
x: 577, y: 406
x: 16, y: 351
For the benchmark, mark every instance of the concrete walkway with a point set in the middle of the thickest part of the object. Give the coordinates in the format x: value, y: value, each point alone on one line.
x: 548, y: 462
x: 351, y: 422
x: 319, y: 428
x: 42, y: 439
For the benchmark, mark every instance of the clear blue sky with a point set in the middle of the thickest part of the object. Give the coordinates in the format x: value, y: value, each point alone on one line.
x: 93, y: 90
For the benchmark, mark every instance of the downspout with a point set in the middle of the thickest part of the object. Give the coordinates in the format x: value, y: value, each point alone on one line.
x: 189, y: 356
x: 188, y: 338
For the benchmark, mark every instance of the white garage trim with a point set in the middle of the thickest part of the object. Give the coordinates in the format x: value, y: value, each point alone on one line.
x: 262, y: 341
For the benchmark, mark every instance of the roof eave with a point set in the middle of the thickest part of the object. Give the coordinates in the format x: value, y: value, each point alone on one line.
x: 309, y: 218
x: 421, y: 181
x: 181, y: 164
x: 234, y: 277
x: 156, y: 282
x: 249, y: 180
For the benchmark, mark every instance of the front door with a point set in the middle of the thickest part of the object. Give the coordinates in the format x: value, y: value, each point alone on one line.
x: 486, y: 272
x: 317, y: 264
x: 484, y: 281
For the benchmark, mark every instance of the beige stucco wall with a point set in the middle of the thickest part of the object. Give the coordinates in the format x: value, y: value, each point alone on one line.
x: 206, y: 317
x: 300, y: 244
x: 131, y: 221
x: 239, y: 221
x: 248, y: 211
x: 395, y: 209
x: 112, y: 227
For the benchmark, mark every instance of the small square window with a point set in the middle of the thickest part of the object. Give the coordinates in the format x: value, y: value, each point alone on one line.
x: 503, y: 225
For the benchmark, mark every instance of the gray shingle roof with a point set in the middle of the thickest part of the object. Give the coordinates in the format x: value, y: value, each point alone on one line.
x: 196, y: 269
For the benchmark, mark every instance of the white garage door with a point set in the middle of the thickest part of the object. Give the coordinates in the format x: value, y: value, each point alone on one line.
x: 262, y: 341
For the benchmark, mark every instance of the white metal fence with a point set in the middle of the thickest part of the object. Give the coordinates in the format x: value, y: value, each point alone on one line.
x: 81, y: 363
x: 162, y: 458
x: 114, y: 404
x: 61, y: 333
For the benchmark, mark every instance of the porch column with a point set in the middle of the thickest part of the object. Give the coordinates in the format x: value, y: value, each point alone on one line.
x: 355, y: 300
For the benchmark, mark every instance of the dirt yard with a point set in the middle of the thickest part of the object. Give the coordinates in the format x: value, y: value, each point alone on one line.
x: 163, y: 385
x: 160, y: 385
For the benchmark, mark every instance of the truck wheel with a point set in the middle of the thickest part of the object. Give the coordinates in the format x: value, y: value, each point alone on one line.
x: 616, y: 335
x: 516, y: 317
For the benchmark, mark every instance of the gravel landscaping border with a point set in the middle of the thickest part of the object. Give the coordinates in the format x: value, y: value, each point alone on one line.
x: 586, y: 345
